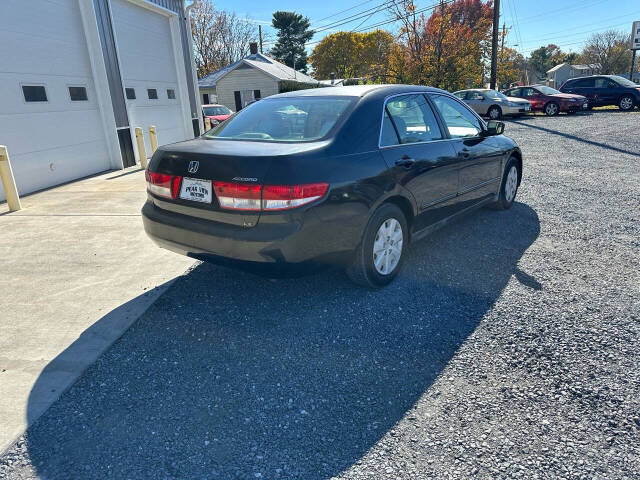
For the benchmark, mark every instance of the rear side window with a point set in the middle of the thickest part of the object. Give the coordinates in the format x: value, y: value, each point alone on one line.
x: 582, y: 83
x: 516, y: 92
x: 411, y: 119
x: 288, y: 119
x: 474, y: 96
x: 459, y: 120
x: 34, y: 93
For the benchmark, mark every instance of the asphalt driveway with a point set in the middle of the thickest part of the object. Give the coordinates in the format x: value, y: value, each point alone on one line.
x: 508, y: 348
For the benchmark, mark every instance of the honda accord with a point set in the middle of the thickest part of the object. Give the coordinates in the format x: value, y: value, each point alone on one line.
x: 339, y: 174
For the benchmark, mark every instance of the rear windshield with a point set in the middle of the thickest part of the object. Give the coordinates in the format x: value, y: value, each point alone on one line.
x: 286, y: 119
x: 212, y: 111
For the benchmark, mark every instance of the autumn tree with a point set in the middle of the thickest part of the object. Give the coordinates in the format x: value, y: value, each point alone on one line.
x: 448, y: 49
x: 610, y: 49
x: 350, y: 54
x: 511, y: 66
x: 219, y: 37
x: 293, y: 33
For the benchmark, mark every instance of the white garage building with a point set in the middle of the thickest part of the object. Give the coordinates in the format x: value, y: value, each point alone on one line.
x: 76, y: 77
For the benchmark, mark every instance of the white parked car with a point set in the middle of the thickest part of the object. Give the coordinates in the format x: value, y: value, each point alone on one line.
x: 493, y: 103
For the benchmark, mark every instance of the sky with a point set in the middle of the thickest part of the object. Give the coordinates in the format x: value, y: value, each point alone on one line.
x: 530, y: 23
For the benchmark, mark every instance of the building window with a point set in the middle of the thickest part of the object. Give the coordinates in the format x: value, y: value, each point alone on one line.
x: 205, y: 98
x: 78, y: 94
x: 153, y: 93
x: 34, y: 93
x: 131, y: 93
x: 171, y: 94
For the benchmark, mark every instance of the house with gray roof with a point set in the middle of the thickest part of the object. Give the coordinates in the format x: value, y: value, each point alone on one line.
x: 562, y: 72
x: 255, y: 76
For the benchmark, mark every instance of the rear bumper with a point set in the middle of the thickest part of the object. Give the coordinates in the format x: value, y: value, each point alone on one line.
x: 299, y: 242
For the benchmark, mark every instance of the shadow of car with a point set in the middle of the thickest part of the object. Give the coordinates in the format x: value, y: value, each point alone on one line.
x: 229, y: 375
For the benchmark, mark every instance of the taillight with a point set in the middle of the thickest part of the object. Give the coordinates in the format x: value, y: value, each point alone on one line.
x: 237, y: 196
x: 242, y: 196
x: 163, y: 185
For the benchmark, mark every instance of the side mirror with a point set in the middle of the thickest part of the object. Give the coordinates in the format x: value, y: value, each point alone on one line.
x: 494, y: 128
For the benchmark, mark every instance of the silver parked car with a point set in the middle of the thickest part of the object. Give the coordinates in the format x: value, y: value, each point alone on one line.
x: 493, y: 103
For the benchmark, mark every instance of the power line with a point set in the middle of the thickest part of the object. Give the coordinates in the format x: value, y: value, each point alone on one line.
x: 600, y: 29
x: 343, y: 11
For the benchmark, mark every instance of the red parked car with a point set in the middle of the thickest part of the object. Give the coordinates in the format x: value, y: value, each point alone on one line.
x: 549, y: 100
x: 215, y: 113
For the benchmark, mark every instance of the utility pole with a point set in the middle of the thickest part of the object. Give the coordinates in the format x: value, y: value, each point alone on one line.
x: 633, y: 64
x: 494, y: 43
x: 260, y: 35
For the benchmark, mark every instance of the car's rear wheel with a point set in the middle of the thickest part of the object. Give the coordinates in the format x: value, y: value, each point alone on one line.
x: 510, y: 184
x: 380, y: 255
x: 495, y: 112
x: 626, y: 103
x: 551, y: 109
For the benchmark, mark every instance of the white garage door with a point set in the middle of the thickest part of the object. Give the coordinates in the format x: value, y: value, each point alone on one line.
x: 42, y: 45
x: 148, y: 69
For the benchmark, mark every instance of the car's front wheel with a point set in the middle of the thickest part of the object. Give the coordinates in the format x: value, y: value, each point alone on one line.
x: 551, y: 109
x: 380, y: 255
x: 626, y: 103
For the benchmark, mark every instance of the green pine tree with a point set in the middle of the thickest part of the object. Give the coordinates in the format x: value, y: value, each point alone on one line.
x: 293, y: 33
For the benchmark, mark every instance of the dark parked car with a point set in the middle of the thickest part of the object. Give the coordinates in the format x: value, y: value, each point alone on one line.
x: 548, y: 100
x: 347, y: 174
x: 602, y: 90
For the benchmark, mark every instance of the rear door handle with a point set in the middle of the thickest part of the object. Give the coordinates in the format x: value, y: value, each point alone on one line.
x: 464, y: 153
x: 406, y: 161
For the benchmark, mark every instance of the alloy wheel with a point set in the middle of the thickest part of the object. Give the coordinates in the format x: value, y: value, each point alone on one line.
x: 626, y: 103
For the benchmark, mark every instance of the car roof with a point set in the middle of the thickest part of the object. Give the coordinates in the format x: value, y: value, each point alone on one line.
x: 213, y: 105
x: 358, y: 90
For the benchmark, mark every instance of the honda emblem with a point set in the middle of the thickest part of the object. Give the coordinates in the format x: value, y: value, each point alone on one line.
x: 193, y: 166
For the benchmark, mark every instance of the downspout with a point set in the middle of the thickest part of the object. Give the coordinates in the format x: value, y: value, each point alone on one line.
x: 194, y: 73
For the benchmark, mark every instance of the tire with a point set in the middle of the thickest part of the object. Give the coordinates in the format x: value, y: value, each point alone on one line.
x: 626, y: 103
x: 494, y: 112
x: 551, y: 109
x: 509, y: 189
x: 388, y: 218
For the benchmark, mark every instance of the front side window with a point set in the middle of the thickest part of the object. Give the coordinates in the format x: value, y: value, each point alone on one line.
x: 458, y: 119
x: 460, y: 95
x: 288, y: 119
x: 516, y: 92
x: 623, y: 81
x: 528, y: 92
x: 475, y: 96
x: 411, y: 119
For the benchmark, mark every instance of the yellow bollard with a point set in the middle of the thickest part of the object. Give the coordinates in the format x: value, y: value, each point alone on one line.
x: 153, y: 139
x: 142, y: 153
x: 207, y: 124
x: 8, y: 182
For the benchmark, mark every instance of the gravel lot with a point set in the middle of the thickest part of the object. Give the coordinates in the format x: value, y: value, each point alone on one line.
x: 508, y: 348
